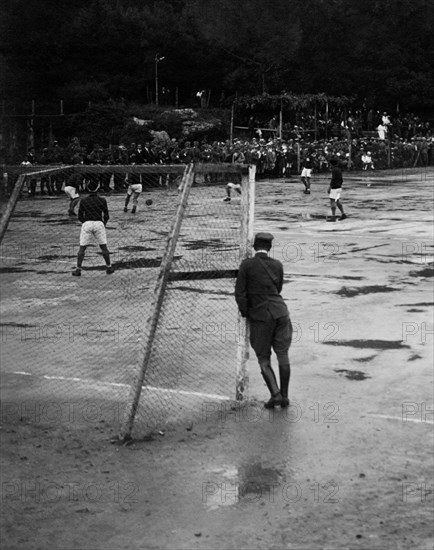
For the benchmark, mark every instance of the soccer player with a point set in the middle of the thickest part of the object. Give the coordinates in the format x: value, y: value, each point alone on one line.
x: 232, y: 187
x: 94, y: 215
x: 306, y: 174
x: 72, y: 187
x: 257, y: 293
x: 134, y: 190
x: 334, y: 191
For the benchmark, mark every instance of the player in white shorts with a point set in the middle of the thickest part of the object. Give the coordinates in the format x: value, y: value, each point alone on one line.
x: 134, y: 190
x: 232, y: 187
x: 306, y: 174
x: 334, y: 191
x: 72, y: 186
x: 94, y: 215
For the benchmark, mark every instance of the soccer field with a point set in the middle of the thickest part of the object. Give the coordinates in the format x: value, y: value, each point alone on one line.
x: 351, y: 462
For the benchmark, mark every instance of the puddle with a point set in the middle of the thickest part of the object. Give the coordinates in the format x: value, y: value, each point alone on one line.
x: 49, y: 257
x: 256, y: 480
x: 368, y: 248
x: 351, y: 291
x: 201, y: 243
x: 28, y: 214
x: 197, y: 275
x: 62, y: 221
x: 369, y: 344
x: 321, y: 276
x: 427, y: 272
x: 141, y: 263
x: 136, y: 248
x: 229, y: 485
x: 417, y: 304
x: 14, y: 270
x: 365, y: 359
x: 352, y: 374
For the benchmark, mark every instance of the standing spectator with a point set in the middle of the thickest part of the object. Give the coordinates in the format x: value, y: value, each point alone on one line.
x: 186, y: 155
x: 174, y: 152
x: 96, y: 157
x: 73, y: 149
x: 238, y: 155
x: 30, y: 160
x: 385, y: 119
x: 257, y: 293
x: 120, y: 158
x: 382, y: 131
x: 370, y: 120
x: 195, y: 152
x: 272, y: 125
x: 46, y: 181
x: 56, y: 156
x: 251, y: 127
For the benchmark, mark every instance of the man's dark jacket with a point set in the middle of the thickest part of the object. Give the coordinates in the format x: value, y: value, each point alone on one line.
x: 257, y: 291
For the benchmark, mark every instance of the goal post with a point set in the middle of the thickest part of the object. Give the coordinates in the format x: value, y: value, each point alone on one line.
x: 246, y: 241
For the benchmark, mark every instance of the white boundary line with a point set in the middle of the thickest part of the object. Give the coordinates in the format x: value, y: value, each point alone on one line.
x: 120, y: 385
x: 400, y: 419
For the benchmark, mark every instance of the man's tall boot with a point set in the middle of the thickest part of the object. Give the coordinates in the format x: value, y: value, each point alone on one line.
x: 269, y: 378
x: 285, y: 374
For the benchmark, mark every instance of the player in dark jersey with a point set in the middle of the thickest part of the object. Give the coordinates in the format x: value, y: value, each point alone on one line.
x: 335, y: 190
x: 94, y: 215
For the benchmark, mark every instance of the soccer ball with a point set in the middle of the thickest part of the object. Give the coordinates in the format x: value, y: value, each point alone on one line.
x: 149, y: 202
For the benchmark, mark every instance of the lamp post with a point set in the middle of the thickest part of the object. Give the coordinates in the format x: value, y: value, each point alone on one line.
x: 157, y: 59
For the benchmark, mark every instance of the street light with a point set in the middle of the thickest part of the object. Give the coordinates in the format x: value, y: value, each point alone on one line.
x: 157, y: 59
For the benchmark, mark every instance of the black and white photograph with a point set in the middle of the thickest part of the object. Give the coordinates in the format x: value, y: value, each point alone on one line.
x: 216, y: 274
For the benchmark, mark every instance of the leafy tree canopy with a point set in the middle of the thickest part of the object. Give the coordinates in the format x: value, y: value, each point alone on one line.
x: 381, y: 51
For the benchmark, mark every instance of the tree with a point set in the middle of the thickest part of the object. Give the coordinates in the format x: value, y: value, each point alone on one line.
x: 32, y: 45
x: 258, y: 41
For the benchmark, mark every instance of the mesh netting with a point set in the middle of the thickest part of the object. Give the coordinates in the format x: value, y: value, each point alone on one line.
x: 194, y: 352
x: 71, y: 345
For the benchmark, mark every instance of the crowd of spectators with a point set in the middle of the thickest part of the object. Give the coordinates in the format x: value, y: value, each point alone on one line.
x: 340, y: 123
x: 403, y: 143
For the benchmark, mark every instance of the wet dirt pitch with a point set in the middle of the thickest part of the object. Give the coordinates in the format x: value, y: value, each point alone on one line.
x: 349, y: 465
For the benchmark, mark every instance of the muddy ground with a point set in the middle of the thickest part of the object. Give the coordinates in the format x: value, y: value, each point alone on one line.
x: 349, y: 465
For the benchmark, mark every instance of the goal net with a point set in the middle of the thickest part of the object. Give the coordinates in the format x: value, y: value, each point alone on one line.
x: 157, y: 343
